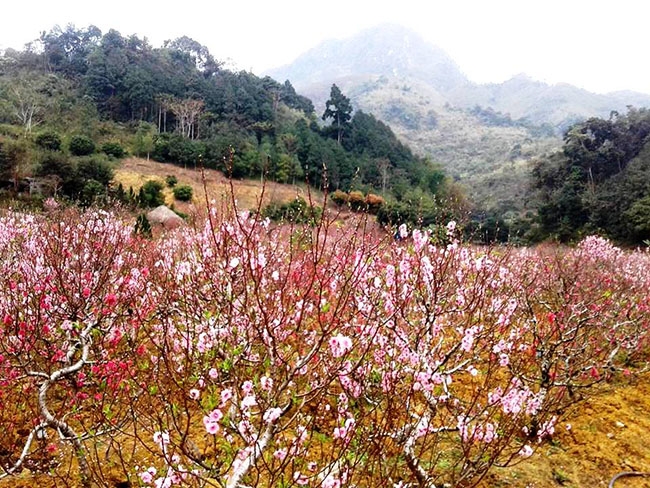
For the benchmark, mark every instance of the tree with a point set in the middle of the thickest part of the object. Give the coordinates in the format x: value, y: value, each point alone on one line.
x: 183, y: 193
x: 151, y: 194
x: 81, y: 145
x: 199, y: 54
x: 14, y: 160
x: 339, y: 109
x: 187, y: 113
x: 26, y: 100
x: 67, y: 50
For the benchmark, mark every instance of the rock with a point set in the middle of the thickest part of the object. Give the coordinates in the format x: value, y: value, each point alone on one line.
x: 164, y: 216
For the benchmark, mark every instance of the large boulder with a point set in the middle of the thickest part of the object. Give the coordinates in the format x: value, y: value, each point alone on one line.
x: 164, y: 216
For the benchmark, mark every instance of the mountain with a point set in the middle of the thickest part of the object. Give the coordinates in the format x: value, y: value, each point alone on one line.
x: 388, y: 50
x: 483, y: 134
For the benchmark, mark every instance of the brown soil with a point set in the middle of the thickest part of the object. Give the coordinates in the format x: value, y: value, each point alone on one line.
x: 609, y: 434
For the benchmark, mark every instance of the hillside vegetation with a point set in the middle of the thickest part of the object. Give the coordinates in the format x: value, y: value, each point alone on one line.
x: 76, y: 101
x: 485, y: 136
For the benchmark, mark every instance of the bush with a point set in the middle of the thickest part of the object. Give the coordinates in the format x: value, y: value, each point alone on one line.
x: 95, y: 168
x: 339, y: 197
x: 171, y: 181
x: 374, y: 202
x: 113, y: 149
x: 49, y: 140
x: 91, y: 191
x: 151, y: 194
x: 183, y: 193
x: 298, y: 211
x: 81, y: 145
x: 55, y: 163
x: 356, y: 200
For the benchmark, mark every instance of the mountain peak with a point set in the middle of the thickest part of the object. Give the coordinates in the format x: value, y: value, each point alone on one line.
x: 389, y: 50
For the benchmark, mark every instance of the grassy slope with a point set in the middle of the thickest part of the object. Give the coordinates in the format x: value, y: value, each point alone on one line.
x: 135, y: 171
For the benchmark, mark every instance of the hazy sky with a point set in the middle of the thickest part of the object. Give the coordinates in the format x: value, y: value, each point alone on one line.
x: 598, y: 45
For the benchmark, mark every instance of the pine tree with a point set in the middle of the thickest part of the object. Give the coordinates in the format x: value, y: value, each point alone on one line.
x: 339, y: 109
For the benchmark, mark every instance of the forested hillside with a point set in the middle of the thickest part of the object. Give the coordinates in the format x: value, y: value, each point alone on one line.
x: 75, y: 98
x: 600, y: 181
x: 486, y: 136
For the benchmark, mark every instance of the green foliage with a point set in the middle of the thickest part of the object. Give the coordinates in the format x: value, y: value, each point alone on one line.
x: 81, y: 145
x: 142, y: 226
x: 638, y: 216
x: 143, y: 141
x: 114, y: 149
x: 114, y: 88
x: 49, y: 140
x: 600, y: 176
x: 14, y: 160
x: 183, y: 193
x: 298, y: 211
x: 56, y: 164
x: 95, y: 168
x: 151, y: 194
x: 170, y: 181
x: 173, y: 148
x: 339, y: 109
x: 91, y: 192
x: 416, y: 208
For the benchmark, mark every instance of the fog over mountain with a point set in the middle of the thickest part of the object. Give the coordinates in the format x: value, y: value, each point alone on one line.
x: 485, y: 135
x: 398, y: 53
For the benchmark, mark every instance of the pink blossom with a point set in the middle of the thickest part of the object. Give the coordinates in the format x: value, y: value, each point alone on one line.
x: 339, y: 345
x: 526, y: 451
x: 331, y: 482
x: 211, y: 424
x: 300, y: 478
x: 216, y: 415
x: 271, y: 415
x: 266, y: 383
x: 195, y: 394
x: 247, y: 387
x: 226, y: 395
x: 248, y: 401
x: 161, y: 438
x: 147, y: 476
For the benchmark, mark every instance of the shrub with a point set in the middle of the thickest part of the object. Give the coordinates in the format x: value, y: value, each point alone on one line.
x: 151, y: 194
x: 171, y: 181
x: 339, y: 197
x: 49, y: 140
x: 183, y: 193
x: 81, y: 145
x: 297, y: 211
x: 142, y: 226
x: 374, y: 202
x: 356, y: 200
x: 113, y: 149
x: 91, y: 191
x: 95, y: 168
x: 55, y: 163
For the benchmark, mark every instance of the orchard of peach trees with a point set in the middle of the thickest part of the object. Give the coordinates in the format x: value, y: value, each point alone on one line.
x: 239, y: 353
